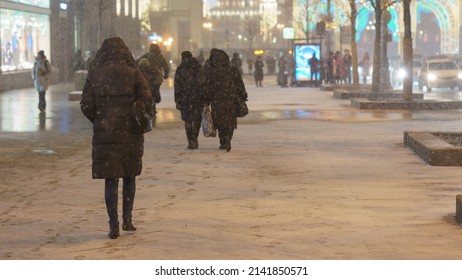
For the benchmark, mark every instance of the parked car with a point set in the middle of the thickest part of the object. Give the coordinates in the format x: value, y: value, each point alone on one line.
x: 439, y: 73
x: 398, y: 72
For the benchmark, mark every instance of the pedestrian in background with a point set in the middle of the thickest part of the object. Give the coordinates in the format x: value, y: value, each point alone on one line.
x: 201, y: 58
x: 314, y: 70
x: 188, y: 88
x: 271, y: 64
x: 283, y: 75
x: 347, y: 61
x: 330, y: 65
x: 78, y: 62
x: 366, y: 65
x: 152, y: 80
x: 237, y: 63
x: 159, y: 68
x: 250, y: 63
x: 339, y: 69
x: 258, y: 74
x: 224, y: 86
x: 113, y: 84
x: 41, y: 76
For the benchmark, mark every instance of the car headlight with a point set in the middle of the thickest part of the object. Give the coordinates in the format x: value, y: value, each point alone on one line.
x: 431, y: 77
x: 402, y: 73
x: 460, y: 75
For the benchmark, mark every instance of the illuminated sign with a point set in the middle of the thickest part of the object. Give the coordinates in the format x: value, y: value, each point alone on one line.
x: 303, y: 54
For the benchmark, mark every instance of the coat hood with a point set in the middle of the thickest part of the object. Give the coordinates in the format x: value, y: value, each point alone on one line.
x: 113, y: 49
x: 219, y: 58
x: 154, y: 48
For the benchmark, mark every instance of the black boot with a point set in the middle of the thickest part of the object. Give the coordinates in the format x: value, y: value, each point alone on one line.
x: 227, y: 145
x: 222, y: 142
x: 128, y: 225
x: 129, y: 189
x: 113, y: 231
x: 111, y: 195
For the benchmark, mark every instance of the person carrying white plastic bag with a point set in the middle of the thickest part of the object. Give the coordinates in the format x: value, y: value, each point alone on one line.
x: 207, y: 123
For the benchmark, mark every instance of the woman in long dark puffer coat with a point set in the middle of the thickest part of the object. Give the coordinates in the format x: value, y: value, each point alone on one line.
x: 113, y: 83
x: 258, y: 74
x: 189, y: 97
x: 224, y: 85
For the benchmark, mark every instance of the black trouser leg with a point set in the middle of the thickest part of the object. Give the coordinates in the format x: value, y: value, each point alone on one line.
x: 221, y: 135
x: 111, y: 195
x: 154, y: 114
x: 195, y: 128
x: 128, y: 194
x: 225, y: 138
x: 42, y: 102
x: 192, y: 139
x: 192, y: 129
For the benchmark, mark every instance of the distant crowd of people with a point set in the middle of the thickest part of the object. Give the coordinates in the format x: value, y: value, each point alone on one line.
x: 337, y: 69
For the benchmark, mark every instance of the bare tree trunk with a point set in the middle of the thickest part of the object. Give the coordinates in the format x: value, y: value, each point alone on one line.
x: 377, y: 48
x: 407, y: 51
x: 354, y: 46
x: 384, y: 66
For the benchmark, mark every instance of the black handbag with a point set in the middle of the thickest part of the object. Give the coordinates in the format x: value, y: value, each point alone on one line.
x: 141, y: 119
x: 242, y: 109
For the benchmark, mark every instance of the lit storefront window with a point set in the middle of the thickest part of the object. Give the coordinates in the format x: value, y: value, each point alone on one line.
x: 23, y: 34
x: 37, y: 3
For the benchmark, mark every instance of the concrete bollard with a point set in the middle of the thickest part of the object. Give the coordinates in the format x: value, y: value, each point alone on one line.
x: 459, y: 209
x: 75, y: 96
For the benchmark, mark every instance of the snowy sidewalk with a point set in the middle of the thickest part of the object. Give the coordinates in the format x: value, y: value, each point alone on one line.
x: 308, y: 177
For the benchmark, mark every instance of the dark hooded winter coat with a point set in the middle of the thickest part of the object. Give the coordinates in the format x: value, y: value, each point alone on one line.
x: 159, y: 65
x: 224, y: 86
x: 113, y: 83
x: 189, y: 89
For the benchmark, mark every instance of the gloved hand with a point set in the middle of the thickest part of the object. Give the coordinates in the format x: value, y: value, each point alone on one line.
x: 165, y: 76
x: 158, y: 99
x: 178, y: 106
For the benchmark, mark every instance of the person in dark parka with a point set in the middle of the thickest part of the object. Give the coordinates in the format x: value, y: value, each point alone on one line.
x: 113, y: 84
x: 224, y: 85
x: 188, y: 91
x: 150, y: 78
x: 159, y: 69
x: 258, y: 74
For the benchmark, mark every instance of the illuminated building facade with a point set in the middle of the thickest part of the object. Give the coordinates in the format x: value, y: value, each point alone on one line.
x: 176, y: 26
x: 244, y: 26
x: 60, y: 27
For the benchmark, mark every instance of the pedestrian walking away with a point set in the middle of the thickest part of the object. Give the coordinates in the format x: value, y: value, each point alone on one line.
x: 152, y: 80
x: 188, y: 88
x: 258, y: 74
x: 224, y: 88
x: 41, y: 76
x: 159, y: 68
x: 113, y: 84
x: 237, y: 63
